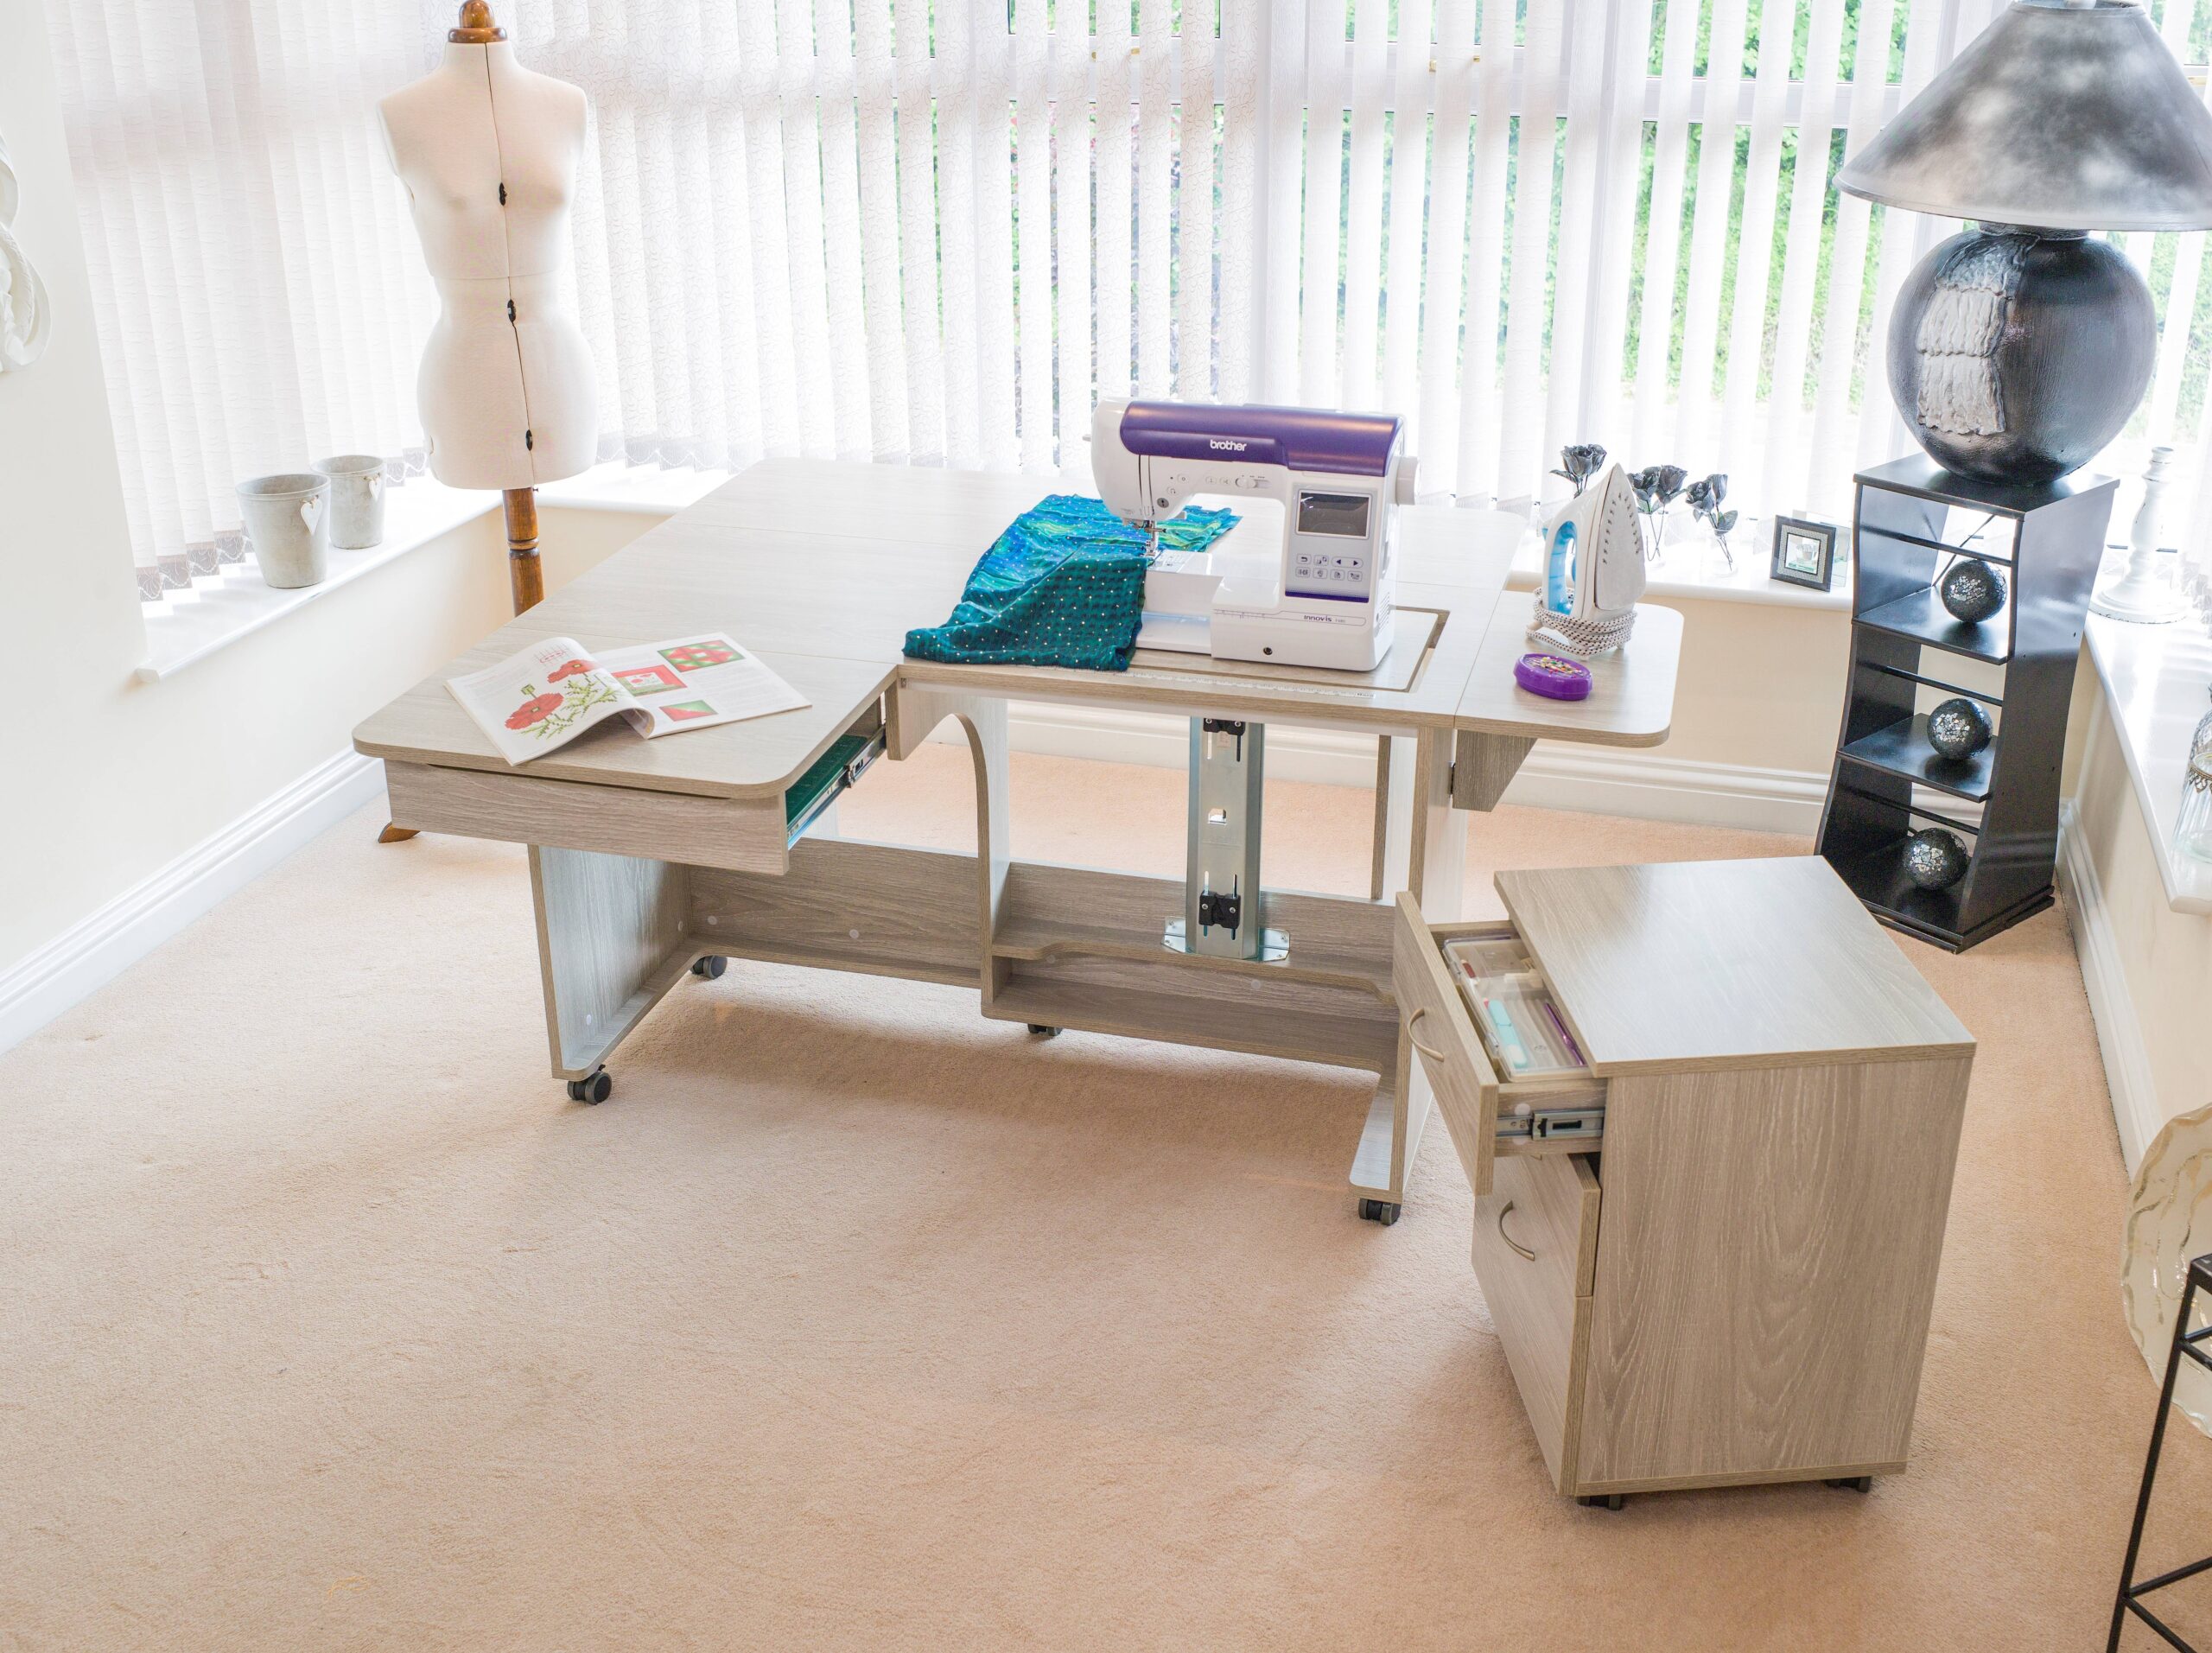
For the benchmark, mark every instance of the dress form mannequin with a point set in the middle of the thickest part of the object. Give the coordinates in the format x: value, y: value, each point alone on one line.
x: 488, y: 151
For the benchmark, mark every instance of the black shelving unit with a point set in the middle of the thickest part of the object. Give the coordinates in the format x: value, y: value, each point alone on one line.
x: 1887, y: 782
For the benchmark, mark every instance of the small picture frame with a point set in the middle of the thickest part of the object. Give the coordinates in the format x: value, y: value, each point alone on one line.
x: 1805, y: 552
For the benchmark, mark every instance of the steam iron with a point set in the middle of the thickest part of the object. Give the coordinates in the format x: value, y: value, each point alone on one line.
x: 1592, y: 571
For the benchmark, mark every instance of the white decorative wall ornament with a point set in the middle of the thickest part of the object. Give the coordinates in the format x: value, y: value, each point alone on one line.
x: 24, y: 312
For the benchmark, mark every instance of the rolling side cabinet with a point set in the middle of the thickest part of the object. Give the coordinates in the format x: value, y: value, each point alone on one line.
x: 1722, y: 1270
x: 1913, y: 522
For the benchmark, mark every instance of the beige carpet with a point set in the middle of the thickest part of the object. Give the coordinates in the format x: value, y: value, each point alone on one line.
x: 326, y: 1321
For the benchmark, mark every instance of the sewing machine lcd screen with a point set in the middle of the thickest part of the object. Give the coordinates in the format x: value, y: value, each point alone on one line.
x: 1340, y: 516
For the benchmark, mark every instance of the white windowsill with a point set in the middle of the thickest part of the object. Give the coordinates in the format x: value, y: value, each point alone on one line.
x: 1692, y: 565
x: 2154, y: 679
x: 187, y: 626
x: 647, y: 489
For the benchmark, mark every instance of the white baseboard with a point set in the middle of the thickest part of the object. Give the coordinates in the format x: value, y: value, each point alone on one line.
x: 1650, y: 786
x: 1601, y: 781
x: 2120, y: 1034
x: 101, y: 947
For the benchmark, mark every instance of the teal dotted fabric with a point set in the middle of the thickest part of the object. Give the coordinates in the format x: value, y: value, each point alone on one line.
x: 1063, y: 586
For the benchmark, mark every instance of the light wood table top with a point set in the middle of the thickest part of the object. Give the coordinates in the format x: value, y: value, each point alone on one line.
x: 824, y: 567
x: 1724, y: 963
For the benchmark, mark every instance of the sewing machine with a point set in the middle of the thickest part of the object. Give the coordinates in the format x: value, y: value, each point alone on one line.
x: 1312, y: 586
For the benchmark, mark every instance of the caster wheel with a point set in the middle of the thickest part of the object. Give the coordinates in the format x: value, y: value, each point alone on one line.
x: 1603, y: 1500
x: 1854, y: 1483
x: 1043, y: 1030
x: 711, y: 967
x: 1380, y: 1210
x: 597, y: 1089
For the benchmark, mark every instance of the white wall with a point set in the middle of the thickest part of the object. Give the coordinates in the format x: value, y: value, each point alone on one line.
x: 104, y: 780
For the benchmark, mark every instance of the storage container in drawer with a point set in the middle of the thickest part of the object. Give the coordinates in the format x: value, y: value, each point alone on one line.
x: 1511, y: 1006
x: 1485, y: 1115
x: 1535, y: 1256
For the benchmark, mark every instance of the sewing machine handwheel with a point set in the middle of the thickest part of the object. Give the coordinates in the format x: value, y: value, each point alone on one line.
x: 1380, y: 1210
x: 711, y: 966
x: 597, y: 1088
x: 1043, y: 1030
x: 1609, y: 1500
x: 1856, y: 1483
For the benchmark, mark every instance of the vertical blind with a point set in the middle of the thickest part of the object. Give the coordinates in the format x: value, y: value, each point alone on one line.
x: 255, y: 284
x: 936, y: 231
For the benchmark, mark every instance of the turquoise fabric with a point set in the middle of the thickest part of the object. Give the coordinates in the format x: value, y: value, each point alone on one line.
x: 1063, y: 586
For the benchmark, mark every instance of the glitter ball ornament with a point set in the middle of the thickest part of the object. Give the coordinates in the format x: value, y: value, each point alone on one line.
x: 1958, y: 728
x: 1972, y: 591
x: 1935, y: 859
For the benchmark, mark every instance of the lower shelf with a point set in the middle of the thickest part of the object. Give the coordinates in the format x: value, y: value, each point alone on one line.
x: 1303, y: 1035
x: 1877, y: 877
x: 1036, y: 940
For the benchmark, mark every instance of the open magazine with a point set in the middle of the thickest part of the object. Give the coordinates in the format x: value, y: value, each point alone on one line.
x: 542, y: 698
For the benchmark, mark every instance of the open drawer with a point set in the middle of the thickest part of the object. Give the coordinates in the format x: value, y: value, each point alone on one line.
x: 1559, y: 1113
x: 743, y: 835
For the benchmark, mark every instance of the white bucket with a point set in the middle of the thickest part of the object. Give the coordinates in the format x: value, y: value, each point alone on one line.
x: 287, y: 519
x: 356, y: 500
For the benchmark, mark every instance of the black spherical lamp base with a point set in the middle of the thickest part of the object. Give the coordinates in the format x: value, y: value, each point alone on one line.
x: 2017, y: 355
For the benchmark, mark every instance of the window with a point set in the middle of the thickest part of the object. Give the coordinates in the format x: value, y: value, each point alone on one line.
x: 936, y: 233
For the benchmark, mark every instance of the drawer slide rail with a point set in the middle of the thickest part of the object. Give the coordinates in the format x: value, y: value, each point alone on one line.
x: 833, y: 772
x: 1544, y: 1124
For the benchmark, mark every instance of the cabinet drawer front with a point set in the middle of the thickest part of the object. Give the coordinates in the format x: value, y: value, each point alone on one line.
x: 1445, y: 1042
x: 743, y: 835
x: 1536, y: 1253
x: 1486, y: 1116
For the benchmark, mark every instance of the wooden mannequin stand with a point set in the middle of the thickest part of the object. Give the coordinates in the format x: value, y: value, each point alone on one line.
x: 524, y: 571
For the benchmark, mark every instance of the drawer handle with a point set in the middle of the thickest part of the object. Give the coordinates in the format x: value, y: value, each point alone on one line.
x: 1505, y: 1212
x: 1429, y: 1051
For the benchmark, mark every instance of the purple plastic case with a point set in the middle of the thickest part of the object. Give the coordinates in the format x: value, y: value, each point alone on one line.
x: 1552, y: 676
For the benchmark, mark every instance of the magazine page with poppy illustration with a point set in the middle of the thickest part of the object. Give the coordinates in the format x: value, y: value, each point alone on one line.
x: 545, y: 698
x: 692, y: 683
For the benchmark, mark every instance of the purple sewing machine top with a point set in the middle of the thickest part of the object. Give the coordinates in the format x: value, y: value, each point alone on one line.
x: 1304, y: 439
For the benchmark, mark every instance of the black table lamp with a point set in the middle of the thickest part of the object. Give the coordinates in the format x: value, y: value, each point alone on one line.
x: 2019, y: 348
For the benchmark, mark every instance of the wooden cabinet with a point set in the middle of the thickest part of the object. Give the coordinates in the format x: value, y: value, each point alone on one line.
x: 1736, y: 1286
